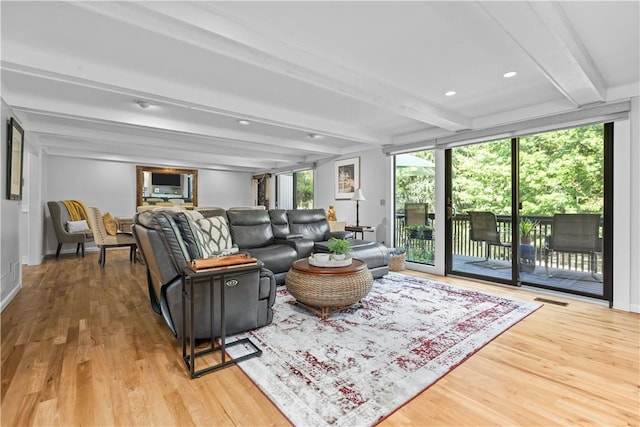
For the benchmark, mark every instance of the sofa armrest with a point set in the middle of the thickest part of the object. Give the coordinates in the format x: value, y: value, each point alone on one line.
x: 290, y: 237
x: 302, y: 246
x: 340, y: 234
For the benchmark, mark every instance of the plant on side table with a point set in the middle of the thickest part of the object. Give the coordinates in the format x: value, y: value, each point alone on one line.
x: 339, y: 248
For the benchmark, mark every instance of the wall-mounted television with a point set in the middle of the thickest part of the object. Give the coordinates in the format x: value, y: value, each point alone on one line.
x: 168, y: 179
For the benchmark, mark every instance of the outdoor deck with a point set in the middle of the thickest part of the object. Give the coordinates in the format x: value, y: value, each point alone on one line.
x: 567, y: 271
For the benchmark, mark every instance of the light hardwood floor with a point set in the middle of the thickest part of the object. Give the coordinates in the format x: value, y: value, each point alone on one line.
x: 81, y: 346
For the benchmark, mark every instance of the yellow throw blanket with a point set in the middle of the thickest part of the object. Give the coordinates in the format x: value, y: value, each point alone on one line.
x: 77, y: 210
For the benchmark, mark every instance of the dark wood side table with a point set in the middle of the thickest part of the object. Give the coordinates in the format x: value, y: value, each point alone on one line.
x: 211, y: 276
x: 359, y: 229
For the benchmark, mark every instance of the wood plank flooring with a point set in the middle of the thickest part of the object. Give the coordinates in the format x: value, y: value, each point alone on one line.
x: 81, y: 346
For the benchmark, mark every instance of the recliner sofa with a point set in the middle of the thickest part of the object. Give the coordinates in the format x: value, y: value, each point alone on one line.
x: 279, y: 237
x: 168, y: 240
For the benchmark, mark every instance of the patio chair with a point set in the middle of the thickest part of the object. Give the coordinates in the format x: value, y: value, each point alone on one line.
x: 416, y: 214
x: 484, y: 228
x: 577, y: 234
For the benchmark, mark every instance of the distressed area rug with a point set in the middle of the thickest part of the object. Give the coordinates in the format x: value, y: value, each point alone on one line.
x: 358, y: 366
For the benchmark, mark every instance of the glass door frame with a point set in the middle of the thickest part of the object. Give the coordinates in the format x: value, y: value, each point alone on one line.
x: 608, y: 243
x: 450, y: 212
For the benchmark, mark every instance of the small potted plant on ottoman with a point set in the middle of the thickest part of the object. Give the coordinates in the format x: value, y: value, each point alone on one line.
x: 339, y: 248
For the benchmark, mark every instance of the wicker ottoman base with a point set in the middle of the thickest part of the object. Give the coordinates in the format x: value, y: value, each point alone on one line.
x: 327, y: 290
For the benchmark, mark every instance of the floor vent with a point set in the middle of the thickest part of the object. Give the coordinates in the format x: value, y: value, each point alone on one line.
x: 550, y: 301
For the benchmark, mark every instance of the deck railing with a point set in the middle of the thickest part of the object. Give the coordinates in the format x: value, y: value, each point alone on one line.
x: 462, y: 245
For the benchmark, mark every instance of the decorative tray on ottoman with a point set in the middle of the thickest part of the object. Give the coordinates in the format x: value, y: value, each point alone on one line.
x: 326, y: 260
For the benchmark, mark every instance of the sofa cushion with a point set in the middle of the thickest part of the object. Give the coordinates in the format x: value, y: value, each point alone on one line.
x: 277, y: 257
x: 207, y: 212
x: 110, y: 224
x: 310, y: 223
x: 250, y: 228
x: 77, y: 226
x: 213, y: 236
x: 188, y: 230
x: 166, y: 223
x: 279, y: 223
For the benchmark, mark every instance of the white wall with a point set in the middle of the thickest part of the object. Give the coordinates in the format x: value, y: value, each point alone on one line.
x: 10, y: 271
x: 111, y: 187
x: 224, y: 189
x: 626, y: 256
x: 374, y: 211
x: 32, y: 212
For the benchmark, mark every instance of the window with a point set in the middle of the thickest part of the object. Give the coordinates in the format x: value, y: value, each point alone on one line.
x: 294, y: 190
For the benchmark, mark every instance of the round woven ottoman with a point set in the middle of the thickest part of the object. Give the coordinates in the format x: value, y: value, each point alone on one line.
x: 328, y: 290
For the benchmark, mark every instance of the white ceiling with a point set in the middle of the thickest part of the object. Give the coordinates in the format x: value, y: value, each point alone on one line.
x: 361, y: 74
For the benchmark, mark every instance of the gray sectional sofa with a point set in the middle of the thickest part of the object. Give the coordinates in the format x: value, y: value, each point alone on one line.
x: 168, y: 239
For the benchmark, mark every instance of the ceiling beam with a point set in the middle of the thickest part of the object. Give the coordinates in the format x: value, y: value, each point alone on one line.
x: 99, y: 149
x: 65, y: 124
x: 201, y: 24
x: 543, y: 32
x: 29, y: 61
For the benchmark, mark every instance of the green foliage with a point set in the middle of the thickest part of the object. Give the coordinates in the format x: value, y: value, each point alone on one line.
x: 527, y: 226
x: 304, y: 189
x: 415, y: 184
x: 419, y: 231
x: 560, y: 172
x: 339, y: 246
x: 420, y: 255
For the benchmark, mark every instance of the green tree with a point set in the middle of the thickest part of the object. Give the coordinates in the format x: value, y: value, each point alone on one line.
x: 560, y: 172
x: 304, y: 189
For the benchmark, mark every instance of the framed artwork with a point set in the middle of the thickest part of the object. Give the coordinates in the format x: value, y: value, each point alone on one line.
x: 347, y: 177
x: 15, y: 153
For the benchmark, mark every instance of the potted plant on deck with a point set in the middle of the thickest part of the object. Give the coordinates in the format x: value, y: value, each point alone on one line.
x: 339, y: 248
x: 526, y: 227
x: 527, y: 250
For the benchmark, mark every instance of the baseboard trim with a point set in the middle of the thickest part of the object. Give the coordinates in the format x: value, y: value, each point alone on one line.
x: 6, y: 300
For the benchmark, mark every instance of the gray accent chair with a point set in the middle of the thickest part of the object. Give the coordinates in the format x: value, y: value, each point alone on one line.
x: 59, y: 219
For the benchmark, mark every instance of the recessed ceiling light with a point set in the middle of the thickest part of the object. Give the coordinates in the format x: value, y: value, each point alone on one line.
x: 314, y: 136
x: 243, y: 122
x: 509, y: 74
x: 143, y: 104
x: 450, y: 93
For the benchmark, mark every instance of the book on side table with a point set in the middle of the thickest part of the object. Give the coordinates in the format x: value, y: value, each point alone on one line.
x: 228, y: 261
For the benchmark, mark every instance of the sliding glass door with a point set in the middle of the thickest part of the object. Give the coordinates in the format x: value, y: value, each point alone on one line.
x: 533, y: 210
x: 562, y: 193
x: 415, y: 220
x: 481, y: 197
x: 294, y: 190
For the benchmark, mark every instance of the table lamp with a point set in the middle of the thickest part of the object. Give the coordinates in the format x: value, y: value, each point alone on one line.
x: 358, y: 196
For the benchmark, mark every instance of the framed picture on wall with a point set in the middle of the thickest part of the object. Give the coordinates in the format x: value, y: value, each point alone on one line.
x: 15, y: 153
x: 347, y: 177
